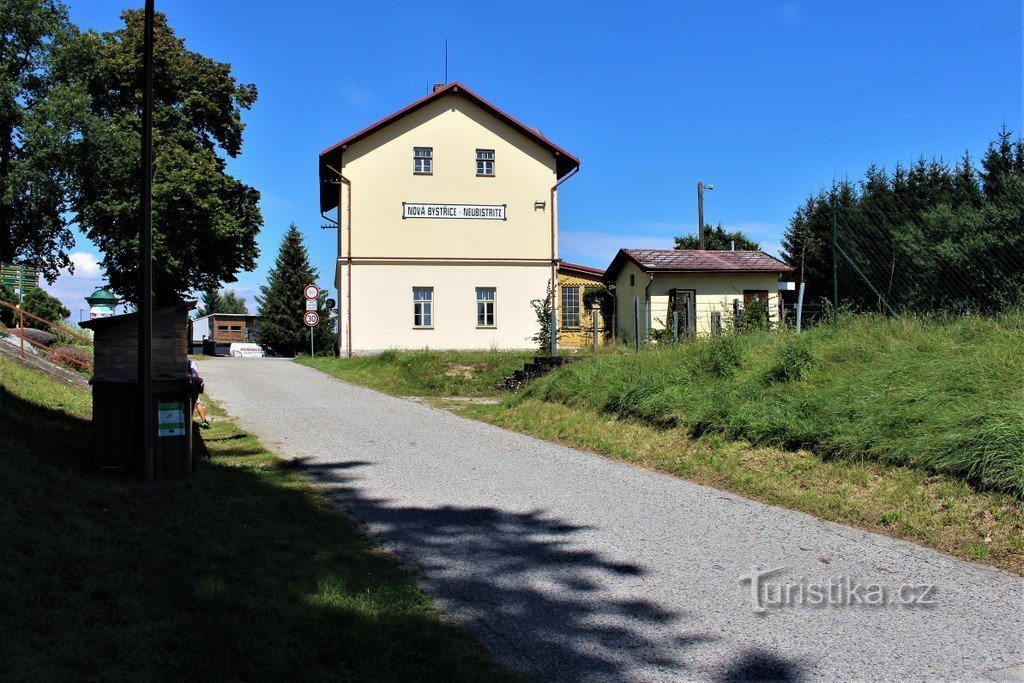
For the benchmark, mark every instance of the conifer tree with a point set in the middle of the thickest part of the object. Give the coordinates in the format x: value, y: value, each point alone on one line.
x: 281, y: 304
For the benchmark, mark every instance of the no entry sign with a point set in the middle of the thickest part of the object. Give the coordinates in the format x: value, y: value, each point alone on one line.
x: 311, y: 318
x: 311, y: 292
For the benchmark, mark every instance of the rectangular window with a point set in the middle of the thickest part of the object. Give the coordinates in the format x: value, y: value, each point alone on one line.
x: 485, y: 306
x: 571, y: 307
x: 236, y: 328
x: 422, y: 306
x: 423, y: 160
x: 485, y: 162
x: 222, y: 328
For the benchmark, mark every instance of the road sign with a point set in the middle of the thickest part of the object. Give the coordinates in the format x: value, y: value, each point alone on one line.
x: 310, y: 304
x: 311, y: 291
x: 311, y: 318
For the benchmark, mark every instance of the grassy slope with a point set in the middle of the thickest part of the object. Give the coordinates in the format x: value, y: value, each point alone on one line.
x: 944, y: 397
x: 242, y: 572
x: 426, y: 373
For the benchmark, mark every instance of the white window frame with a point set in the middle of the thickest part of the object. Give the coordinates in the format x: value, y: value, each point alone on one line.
x: 575, y: 307
x: 485, y: 163
x: 423, y: 308
x: 423, y: 160
x: 486, y: 303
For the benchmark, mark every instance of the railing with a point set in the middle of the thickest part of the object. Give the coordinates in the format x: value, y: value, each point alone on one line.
x: 51, y: 354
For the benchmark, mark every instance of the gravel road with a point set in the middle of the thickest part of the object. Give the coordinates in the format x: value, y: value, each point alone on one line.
x: 568, y: 566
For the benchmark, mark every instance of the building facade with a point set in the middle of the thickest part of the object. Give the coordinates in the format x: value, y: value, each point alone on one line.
x: 698, y: 292
x: 447, y: 226
x: 213, y: 334
x: 575, y: 312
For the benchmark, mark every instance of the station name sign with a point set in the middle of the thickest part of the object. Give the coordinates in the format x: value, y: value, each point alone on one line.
x: 484, y: 212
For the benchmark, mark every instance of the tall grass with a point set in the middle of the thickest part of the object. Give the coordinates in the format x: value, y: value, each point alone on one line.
x: 946, y: 395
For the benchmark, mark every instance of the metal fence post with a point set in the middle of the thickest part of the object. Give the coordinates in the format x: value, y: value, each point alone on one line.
x: 799, y: 306
x: 675, y: 326
x: 594, y: 313
x: 21, y: 329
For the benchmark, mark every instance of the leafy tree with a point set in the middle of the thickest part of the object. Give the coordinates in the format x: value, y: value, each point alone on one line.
x: 281, y: 304
x: 228, y: 302
x: 39, y: 117
x: 39, y: 303
x: 718, y: 238
x: 7, y: 316
x: 542, y: 309
x: 205, y: 221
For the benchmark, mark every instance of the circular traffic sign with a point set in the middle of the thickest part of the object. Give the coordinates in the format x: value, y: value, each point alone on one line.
x: 311, y: 291
x: 311, y: 318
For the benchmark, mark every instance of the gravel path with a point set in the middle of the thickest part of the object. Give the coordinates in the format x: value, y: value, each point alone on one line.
x: 569, y: 566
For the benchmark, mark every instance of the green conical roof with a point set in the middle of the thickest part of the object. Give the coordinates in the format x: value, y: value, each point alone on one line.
x: 101, y: 297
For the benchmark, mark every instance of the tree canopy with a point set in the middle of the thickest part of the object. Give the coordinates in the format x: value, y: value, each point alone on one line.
x: 719, y: 239
x: 39, y: 118
x: 281, y: 303
x: 228, y: 302
x: 205, y: 221
x: 928, y: 238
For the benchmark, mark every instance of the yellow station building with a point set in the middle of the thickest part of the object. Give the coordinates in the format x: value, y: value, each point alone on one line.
x: 447, y: 216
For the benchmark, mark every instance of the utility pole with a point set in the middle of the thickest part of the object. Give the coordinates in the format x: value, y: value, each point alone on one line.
x: 700, y: 212
x: 145, y: 313
x: 835, y: 260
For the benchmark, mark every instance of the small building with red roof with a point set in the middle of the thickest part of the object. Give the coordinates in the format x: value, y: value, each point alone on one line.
x: 690, y: 291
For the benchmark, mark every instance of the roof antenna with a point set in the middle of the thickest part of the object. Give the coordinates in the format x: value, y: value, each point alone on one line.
x: 446, y: 61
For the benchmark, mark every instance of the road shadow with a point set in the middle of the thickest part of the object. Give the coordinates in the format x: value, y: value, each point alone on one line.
x: 525, y: 584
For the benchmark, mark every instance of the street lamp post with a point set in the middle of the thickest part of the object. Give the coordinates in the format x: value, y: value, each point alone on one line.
x: 145, y: 378
x: 700, y: 211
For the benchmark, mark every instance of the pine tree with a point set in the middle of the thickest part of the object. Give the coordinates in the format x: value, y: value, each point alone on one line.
x: 282, y: 305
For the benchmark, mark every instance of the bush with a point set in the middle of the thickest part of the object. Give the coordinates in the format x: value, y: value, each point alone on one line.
x: 60, y: 356
x: 720, y: 356
x: 793, y: 362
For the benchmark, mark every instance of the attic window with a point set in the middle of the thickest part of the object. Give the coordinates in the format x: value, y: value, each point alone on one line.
x: 423, y: 160
x: 485, y: 162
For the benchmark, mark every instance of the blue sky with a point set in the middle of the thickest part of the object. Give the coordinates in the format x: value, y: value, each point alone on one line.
x: 767, y: 100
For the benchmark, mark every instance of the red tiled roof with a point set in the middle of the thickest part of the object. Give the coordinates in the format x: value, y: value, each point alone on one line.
x: 565, y: 265
x: 564, y: 162
x: 698, y: 261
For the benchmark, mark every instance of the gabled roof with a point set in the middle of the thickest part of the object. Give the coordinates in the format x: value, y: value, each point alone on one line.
x: 564, y: 162
x: 565, y: 265
x: 697, y: 261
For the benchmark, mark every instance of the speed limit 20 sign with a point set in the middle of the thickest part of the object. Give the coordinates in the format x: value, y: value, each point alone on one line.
x: 311, y: 318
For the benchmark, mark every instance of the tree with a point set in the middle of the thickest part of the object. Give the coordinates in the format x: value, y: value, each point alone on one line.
x: 281, y: 303
x: 7, y: 316
x: 719, y: 239
x: 228, y: 302
x: 39, y: 303
x: 542, y: 309
x: 39, y: 118
x: 205, y: 221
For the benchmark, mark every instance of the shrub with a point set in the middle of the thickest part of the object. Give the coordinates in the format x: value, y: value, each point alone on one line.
x: 720, y: 356
x: 60, y: 354
x: 793, y: 361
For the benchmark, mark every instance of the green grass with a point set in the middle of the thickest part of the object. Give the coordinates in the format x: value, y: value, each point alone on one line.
x: 943, y: 396
x: 244, y: 571
x: 426, y: 373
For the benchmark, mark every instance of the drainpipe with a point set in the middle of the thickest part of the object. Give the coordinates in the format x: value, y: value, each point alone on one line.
x: 647, y: 303
x: 554, y: 263
x: 348, y: 261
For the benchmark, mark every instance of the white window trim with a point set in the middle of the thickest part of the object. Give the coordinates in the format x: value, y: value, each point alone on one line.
x: 433, y: 307
x: 491, y: 161
x: 426, y: 160
x: 494, y: 309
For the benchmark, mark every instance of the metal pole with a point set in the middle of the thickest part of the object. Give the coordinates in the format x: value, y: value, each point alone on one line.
x: 311, y: 342
x: 700, y: 215
x: 554, y: 324
x: 799, y: 306
x: 594, y: 313
x: 675, y: 326
x: 146, y: 255
x: 636, y: 323
x: 835, y: 261
x: 21, y: 329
